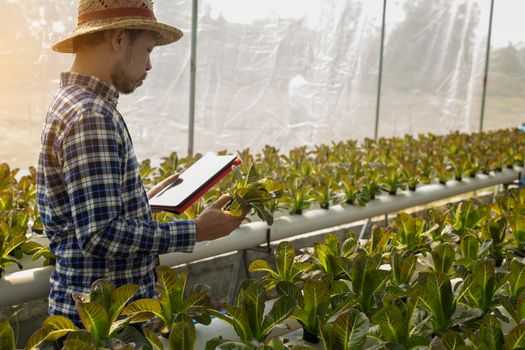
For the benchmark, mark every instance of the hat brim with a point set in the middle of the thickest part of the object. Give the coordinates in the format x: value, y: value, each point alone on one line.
x: 167, y: 34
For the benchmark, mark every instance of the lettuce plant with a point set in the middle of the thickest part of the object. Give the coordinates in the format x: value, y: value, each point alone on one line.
x: 410, y: 171
x: 298, y: 196
x: 366, y: 278
x: 7, y: 177
x: 352, y: 190
x: 325, y: 191
x: 100, y: 312
x: 347, y: 332
x: 449, y: 340
x: 459, y: 165
x: 399, y: 322
x: 393, y: 179
x: 412, y: 233
x: 7, y: 336
x: 248, y: 318
x: 434, y: 293
x: 312, y: 305
x: 251, y: 192
x: 489, y: 335
x: 270, y: 156
x: 182, y: 335
x: 470, y: 249
x: 172, y: 305
x: 14, y: 225
x: 287, y: 267
x: 442, y: 171
x: 344, y: 150
x: 18, y: 213
x: 371, y: 186
x: 515, y: 278
x: 379, y: 241
x: 296, y: 157
x: 7, y: 246
x: 515, y: 306
x: 275, y: 205
x: 496, y: 161
x: 56, y: 327
x: 473, y: 166
x: 318, y: 302
x: 494, y: 231
x: 403, y: 266
x: 466, y: 217
x: 37, y: 251
x: 514, y: 197
x: 479, y: 288
x: 443, y: 257
x: 305, y: 170
x: 324, y: 256
x: 515, y: 339
x: 247, y: 159
x: 425, y: 168
x: 437, y: 217
x: 25, y: 192
x: 516, y: 221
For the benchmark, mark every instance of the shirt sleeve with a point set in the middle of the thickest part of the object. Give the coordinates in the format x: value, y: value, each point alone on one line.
x: 93, y: 154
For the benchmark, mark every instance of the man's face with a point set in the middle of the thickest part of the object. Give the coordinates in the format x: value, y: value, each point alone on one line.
x: 130, y: 71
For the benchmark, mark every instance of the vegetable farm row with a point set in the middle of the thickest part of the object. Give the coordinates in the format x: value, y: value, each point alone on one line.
x: 451, y: 278
x: 345, y: 173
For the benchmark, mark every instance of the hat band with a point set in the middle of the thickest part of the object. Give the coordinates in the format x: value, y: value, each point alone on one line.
x: 116, y: 12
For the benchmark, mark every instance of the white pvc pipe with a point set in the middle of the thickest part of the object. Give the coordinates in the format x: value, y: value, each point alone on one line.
x: 253, y: 234
x: 26, y: 285
x: 33, y: 284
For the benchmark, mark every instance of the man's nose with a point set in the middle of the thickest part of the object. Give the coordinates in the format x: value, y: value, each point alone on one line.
x: 148, y: 66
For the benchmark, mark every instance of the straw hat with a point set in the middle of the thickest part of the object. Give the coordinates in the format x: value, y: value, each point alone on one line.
x: 97, y: 15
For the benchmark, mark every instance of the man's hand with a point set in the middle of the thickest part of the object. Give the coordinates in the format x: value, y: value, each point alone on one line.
x: 215, y: 223
x: 162, y: 185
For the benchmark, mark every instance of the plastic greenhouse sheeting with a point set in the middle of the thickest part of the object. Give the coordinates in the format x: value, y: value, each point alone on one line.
x: 434, y: 66
x: 284, y: 73
x: 506, y: 83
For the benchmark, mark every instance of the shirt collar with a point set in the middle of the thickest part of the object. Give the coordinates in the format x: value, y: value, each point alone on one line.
x: 91, y: 83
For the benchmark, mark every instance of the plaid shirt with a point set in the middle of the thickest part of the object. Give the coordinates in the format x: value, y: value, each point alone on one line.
x: 92, y: 201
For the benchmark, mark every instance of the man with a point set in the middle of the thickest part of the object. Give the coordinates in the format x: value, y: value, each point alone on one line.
x: 90, y: 194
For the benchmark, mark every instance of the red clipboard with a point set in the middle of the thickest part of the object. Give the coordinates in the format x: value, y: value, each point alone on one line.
x: 193, y: 183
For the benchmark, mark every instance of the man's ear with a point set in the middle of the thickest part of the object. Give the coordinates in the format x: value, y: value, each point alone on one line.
x: 117, y: 39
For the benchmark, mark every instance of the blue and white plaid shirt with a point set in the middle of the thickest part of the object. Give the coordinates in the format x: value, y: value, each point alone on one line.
x: 92, y: 201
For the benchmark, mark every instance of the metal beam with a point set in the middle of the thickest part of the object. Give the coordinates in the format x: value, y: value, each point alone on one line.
x: 485, y: 75
x: 193, y: 75
x: 380, y: 75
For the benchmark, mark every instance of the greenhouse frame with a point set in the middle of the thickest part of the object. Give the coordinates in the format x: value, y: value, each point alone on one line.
x: 380, y: 155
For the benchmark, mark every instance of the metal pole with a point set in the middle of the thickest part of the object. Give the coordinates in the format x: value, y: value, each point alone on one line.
x: 193, y: 73
x: 485, y: 76
x: 376, y: 130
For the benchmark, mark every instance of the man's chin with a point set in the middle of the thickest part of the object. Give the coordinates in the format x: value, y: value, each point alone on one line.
x: 128, y: 89
x: 126, y: 92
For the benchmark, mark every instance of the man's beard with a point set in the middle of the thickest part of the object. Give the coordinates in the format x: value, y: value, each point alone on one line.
x: 121, y: 79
